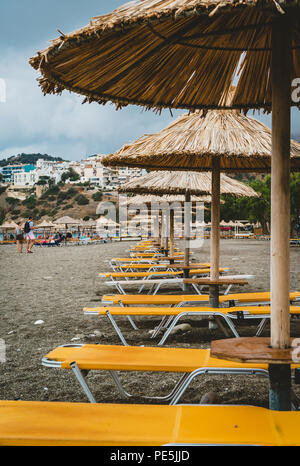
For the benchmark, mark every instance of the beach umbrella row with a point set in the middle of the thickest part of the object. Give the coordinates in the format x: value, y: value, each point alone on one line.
x: 186, y: 184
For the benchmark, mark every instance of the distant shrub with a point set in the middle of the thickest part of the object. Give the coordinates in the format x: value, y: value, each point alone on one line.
x: 12, y: 201
x: 52, y: 190
x: 97, y: 196
x: 71, y: 192
x: 81, y: 199
x: 30, y: 202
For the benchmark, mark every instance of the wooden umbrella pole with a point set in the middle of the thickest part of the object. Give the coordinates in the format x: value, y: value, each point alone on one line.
x: 215, y: 231
x: 161, y: 230
x: 280, y: 387
x: 280, y: 184
x: 187, y: 228
x: 171, y: 232
x: 187, y: 234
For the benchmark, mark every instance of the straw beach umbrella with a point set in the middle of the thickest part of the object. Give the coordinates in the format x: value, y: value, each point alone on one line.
x: 186, y: 54
x: 67, y: 221
x: 158, y: 204
x: 187, y: 184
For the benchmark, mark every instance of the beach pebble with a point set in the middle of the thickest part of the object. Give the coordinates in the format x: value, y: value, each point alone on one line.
x: 181, y: 328
x: 210, y: 398
x: 47, y: 278
x: 39, y: 322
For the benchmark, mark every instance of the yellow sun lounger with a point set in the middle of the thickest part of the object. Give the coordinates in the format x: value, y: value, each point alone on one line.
x: 150, y: 254
x: 172, y: 315
x: 252, y: 298
x: 112, y: 358
x: 154, y: 278
x: 33, y: 423
x: 148, y: 266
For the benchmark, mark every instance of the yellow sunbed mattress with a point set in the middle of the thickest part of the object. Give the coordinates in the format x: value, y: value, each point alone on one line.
x: 57, y: 423
x: 140, y: 358
x: 176, y: 299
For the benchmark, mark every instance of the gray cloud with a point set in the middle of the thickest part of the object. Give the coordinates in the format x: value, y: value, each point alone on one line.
x: 61, y: 125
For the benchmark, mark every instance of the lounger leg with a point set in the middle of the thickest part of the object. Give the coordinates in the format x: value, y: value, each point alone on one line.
x: 82, y: 381
x: 117, y: 329
x: 132, y: 322
x: 216, y: 371
x: 119, y: 385
x: 261, y: 327
x: 167, y: 333
x: 159, y: 326
x: 196, y: 288
x: 227, y: 289
x: 221, y: 326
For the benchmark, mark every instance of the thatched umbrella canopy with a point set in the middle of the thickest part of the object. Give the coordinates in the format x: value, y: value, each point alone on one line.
x: 103, y: 222
x: 8, y: 226
x: 174, y: 184
x: 238, y: 142
x: 45, y: 224
x: 66, y: 220
x: 171, y: 53
x: 186, y: 54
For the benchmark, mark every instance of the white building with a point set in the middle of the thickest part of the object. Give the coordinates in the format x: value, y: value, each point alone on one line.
x: 90, y: 170
x: 23, y: 178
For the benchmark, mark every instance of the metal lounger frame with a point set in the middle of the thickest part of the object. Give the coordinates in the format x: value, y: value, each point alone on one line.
x: 175, y: 394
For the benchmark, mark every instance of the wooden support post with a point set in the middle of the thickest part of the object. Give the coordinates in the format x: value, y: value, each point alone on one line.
x: 280, y: 387
x: 215, y: 220
x: 162, y: 231
x: 280, y: 183
x: 172, y: 232
x: 215, y: 232
x: 187, y: 234
x: 280, y: 376
x: 187, y: 227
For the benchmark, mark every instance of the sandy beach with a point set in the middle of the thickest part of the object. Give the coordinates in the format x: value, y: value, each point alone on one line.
x: 52, y: 285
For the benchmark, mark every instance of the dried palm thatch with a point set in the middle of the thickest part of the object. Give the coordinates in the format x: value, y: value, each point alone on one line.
x: 152, y: 199
x: 67, y: 221
x: 191, y: 141
x: 46, y: 224
x: 156, y: 53
x: 8, y: 226
x: 170, y: 183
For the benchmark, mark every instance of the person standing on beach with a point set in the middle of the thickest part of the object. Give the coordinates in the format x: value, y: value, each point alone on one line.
x: 28, y: 230
x: 19, y: 237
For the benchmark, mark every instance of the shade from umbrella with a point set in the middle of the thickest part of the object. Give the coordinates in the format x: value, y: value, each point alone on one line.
x: 171, y: 53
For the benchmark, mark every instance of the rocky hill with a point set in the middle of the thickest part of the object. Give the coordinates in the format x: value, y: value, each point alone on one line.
x: 50, y: 203
x: 27, y: 159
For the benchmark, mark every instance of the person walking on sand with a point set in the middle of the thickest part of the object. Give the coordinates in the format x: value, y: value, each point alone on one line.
x: 28, y: 230
x: 19, y: 237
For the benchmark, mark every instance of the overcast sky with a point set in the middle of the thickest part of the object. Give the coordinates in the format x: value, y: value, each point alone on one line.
x: 60, y: 125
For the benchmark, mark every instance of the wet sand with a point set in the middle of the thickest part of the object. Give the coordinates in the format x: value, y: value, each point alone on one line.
x: 52, y: 285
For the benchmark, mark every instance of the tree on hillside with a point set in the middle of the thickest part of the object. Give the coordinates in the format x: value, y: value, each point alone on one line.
x: 259, y: 209
x: 295, y: 203
x: 70, y: 175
